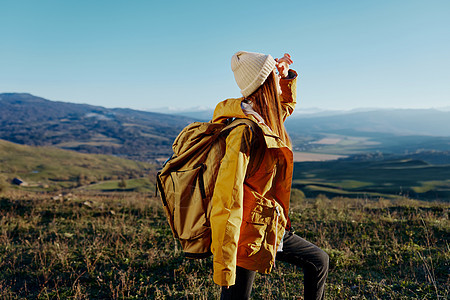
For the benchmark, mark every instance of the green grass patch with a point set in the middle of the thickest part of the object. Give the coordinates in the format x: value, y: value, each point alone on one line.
x: 137, y: 184
x: 344, y: 184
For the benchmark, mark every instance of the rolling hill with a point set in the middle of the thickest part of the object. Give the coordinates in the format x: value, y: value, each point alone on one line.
x: 30, y: 120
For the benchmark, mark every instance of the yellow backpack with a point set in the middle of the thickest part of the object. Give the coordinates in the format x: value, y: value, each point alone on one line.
x: 186, y: 182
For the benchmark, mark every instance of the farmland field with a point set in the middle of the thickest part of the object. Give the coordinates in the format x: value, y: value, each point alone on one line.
x: 305, y: 156
x: 386, y: 178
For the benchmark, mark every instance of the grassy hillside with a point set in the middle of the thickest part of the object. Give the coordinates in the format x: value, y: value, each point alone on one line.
x: 387, y: 178
x: 58, y: 168
x: 115, y: 246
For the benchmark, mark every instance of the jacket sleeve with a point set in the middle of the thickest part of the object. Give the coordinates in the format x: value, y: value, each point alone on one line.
x: 227, y: 205
x: 288, y: 93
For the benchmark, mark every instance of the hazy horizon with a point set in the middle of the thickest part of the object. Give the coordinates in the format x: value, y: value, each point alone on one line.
x: 178, y: 109
x: 299, y: 108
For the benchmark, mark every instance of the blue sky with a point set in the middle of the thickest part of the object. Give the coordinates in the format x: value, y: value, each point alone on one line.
x: 150, y: 54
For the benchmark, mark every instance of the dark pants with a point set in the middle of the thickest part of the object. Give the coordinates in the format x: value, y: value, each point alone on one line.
x: 296, y: 251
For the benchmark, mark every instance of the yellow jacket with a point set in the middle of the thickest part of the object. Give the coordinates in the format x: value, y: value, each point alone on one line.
x: 250, y: 213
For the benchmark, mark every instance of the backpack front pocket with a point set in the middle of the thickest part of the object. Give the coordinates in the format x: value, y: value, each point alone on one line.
x: 189, y: 209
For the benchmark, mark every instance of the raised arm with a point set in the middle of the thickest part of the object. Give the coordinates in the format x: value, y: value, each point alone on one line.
x: 288, y: 85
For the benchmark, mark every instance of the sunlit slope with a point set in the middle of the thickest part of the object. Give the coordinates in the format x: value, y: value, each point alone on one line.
x: 52, y: 165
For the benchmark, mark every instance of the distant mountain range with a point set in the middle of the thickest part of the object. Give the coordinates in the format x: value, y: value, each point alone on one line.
x: 434, y: 122
x: 139, y: 135
x: 359, y: 130
x: 425, y: 122
x: 428, y: 122
x: 148, y: 136
x: 198, y: 113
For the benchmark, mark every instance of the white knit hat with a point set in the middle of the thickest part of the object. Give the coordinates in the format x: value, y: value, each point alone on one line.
x: 251, y: 70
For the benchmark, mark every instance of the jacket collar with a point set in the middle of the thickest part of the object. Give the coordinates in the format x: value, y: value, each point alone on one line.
x: 231, y: 108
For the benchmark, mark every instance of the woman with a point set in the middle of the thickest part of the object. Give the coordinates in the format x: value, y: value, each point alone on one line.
x: 249, y: 217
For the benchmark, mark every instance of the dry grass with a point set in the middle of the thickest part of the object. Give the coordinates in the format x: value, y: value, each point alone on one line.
x: 119, y: 246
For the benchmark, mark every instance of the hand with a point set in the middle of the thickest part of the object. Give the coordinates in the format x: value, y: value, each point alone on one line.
x: 283, y: 65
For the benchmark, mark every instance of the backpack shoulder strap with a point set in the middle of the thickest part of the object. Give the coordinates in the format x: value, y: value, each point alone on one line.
x: 258, y: 148
x: 243, y: 121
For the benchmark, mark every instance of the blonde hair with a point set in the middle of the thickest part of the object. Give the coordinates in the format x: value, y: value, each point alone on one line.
x: 266, y: 101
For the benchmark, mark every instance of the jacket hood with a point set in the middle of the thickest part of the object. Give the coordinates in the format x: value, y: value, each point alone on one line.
x: 230, y: 108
